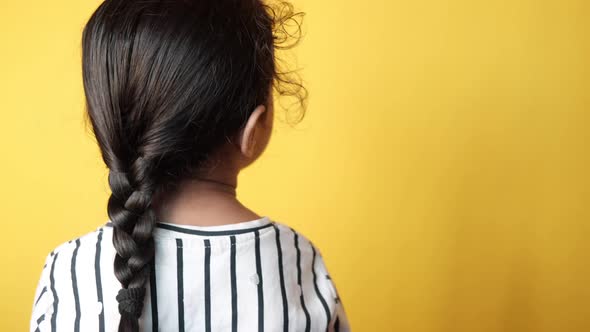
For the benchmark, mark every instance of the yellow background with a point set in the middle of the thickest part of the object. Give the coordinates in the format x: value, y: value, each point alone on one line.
x: 442, y: 167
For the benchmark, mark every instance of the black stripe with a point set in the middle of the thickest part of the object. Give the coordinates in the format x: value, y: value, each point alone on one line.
x: 99, y: 281
x: 179, y: 281
x: 75, y: 287
x: 317, y: 290
x: 211, y: 233
x: 154, y: 295
x: 282, y: 278
x: 207, y: 285
x: 234, y: 288
x: 55, y: 297
x: 259, y: 272
x: 39, y: 320
x: 307, y: 317
x: 337, y: 325
x: 42, y: 292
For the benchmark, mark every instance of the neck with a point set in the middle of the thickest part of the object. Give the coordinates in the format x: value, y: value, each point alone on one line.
x: 209, y: 200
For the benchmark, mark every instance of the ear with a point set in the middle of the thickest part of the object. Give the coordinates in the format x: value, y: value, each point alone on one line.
x: 248, y: 135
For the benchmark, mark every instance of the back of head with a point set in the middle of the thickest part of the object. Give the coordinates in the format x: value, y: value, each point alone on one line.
x: 166, y: 83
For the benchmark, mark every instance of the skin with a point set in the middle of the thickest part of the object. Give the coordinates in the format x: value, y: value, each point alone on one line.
x: 210, y: 199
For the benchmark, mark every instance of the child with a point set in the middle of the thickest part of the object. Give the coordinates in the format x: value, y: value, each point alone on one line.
x: 179, y: 96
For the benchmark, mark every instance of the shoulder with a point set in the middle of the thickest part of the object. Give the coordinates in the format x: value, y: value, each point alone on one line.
x: 287, y: 231
x: 56, y: 260
x: 82, y: 249
x: 68, y: 248
x: 302, y: 255
x: 55, y: 271
x: 305, y: 268
x: 296, y: 246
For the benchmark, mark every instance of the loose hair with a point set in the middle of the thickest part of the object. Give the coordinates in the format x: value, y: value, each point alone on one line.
x: 166, y: 83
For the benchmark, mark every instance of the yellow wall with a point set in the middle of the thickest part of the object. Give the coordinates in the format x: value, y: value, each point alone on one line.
x: 442, y: 168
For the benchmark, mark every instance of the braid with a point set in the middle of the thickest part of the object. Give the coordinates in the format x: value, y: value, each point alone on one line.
x: 129, y: 209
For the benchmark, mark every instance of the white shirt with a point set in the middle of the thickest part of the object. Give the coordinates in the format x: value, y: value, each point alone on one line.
x: 257, y: 275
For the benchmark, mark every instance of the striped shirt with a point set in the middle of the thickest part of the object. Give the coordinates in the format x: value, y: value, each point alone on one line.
x: 258, y: 275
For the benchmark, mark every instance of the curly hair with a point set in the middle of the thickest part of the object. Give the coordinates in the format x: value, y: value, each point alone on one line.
x: 167, y: 82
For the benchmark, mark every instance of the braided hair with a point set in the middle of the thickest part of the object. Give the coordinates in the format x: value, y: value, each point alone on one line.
x: 166, y: 83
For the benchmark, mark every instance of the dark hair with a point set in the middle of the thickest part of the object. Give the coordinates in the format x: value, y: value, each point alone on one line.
x: 166, y: 83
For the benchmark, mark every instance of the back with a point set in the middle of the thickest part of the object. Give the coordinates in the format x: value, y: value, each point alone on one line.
x: 258, y: 275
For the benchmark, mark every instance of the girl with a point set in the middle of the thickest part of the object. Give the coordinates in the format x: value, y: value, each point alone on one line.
x: 179, y: 96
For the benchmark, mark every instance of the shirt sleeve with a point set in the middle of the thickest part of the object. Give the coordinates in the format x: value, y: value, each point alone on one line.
x: 43, y: 300
x: 339, y: 320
